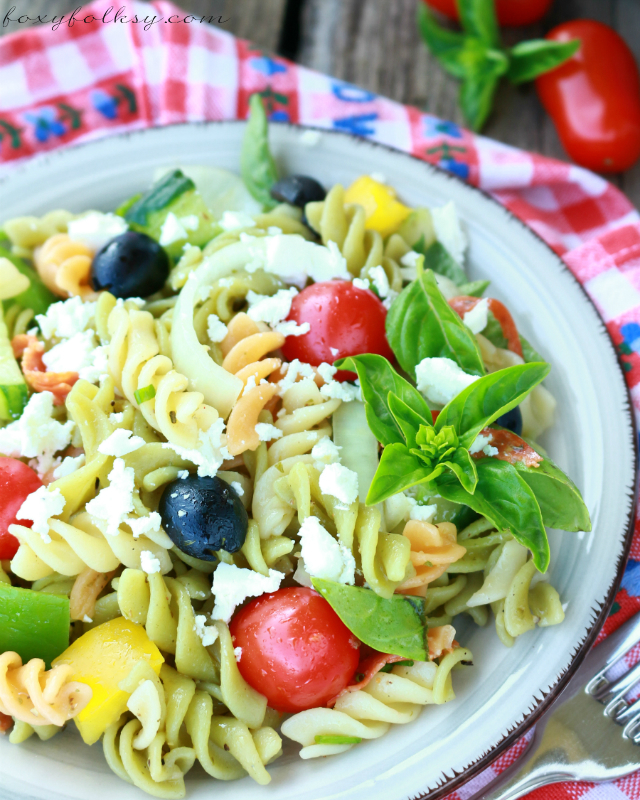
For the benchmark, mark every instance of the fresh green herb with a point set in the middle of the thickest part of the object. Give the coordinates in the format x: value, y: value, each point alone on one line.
x: 493, y: 332
x: 422, y: 324
x: 158, y: 197
x: 322, y: 739
x: 389, y: 667
x: 144, y: 394
x: 257, y: 167
x: 474, y: 288
x: 438, y: 259
x: 477, y: 57
x: 395, y: 625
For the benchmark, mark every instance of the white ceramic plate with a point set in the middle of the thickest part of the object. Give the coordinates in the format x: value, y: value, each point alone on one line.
x: 593, y: 440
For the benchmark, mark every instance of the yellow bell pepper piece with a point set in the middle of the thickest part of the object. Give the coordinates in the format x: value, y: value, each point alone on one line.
x: 384, y: 213
x: 102, y: 658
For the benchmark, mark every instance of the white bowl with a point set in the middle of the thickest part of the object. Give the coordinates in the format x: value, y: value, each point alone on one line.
x: 593, y: 440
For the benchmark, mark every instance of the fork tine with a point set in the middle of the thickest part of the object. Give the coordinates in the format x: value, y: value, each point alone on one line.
x: 628, y: 714
x: 615, y: 691
x: 631, y: 727
x: 609, y: 652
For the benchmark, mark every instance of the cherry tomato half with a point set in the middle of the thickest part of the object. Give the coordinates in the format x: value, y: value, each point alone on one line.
x: 344, y: 320
x: 296, y: 651
x: 594, y: 97
x: 17, y: 480
x: 510, y: 12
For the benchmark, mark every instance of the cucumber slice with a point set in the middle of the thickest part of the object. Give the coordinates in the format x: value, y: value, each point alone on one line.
x: 13, y: 389
x: 37, y: 296
x: 159, y: 197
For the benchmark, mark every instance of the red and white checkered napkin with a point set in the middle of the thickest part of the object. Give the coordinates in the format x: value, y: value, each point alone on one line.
x: 102, y: 73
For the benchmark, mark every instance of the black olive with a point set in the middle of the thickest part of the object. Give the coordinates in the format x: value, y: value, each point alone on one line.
x: 512, y: 421
x: 203, y: 515
x: 130, y: 265
x: 297, y: 190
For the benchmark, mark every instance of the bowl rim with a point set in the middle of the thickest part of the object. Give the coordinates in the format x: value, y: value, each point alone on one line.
x: 540, y: 706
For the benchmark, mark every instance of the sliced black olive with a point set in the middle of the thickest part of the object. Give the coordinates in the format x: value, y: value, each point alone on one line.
x: 203, y: 515
x: 512, y: 421
x: 298, y: 190
x: 130, y: 265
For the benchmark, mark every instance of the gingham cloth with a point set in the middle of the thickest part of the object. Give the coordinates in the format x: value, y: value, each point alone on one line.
x: 90, y: 79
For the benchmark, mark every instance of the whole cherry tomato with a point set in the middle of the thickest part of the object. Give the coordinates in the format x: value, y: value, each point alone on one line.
x: 594, y: 97
x: 17, y: 480
x: 344, y: 320
x: 296, y: 651
x: 510, y: 12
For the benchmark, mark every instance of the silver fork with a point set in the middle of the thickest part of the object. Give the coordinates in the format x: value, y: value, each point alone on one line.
x: 590, y: 733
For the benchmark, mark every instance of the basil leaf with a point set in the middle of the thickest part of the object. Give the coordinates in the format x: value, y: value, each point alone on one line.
x: 493, y: 332
x: 474, y: 289
x: 438, y: 259
x: 421, y: 324
x: 464, y: 468
x: 529, y: 353
x: 504, y: 497
x: 377, y: 379
x: 479, y: 86
x: 395, y: 626
x: 489, y: 398
x: 559, y: 498
x: 406, y: 418
x: 445, y: 45
x: 478, y: 18
x: 535, y: 57
x: 159, y: 196
x: 398, y: 470
x: 257, y: 167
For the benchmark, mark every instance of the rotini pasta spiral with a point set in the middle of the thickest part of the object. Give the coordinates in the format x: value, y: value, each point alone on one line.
x: 64, y: 266
x: 433, y: 549
x: 37, y: 697
x: 27, y: 233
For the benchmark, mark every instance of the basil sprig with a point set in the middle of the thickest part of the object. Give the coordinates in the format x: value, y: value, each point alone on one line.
x: 257, y: 167
x: 477, y: 57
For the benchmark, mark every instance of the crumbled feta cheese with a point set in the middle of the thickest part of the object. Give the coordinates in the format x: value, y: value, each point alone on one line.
x: 68, y: 466
x: 325, y: 451
x: 172, y: 230
x: 476, y: 319
x: 149, y: 563
x: 66, y: 318
x: 272, y: 230
x: 310, y: 138
x: 424, y: 513
x: 210, y: 452
x: 95, y: 229
x: 120, y: 443
x: 339, y: 482
x: 270, y: 309
x: 237, y: 652
x: 237, y: 488
x: 216, y: 329
x: 113, y: 503
x: 441, y: 379
x: 291, y: 328
x: 380, y: 281
x: 341, y: 390
x: 207, y: 633
x: 233, y: 220
x: 448, y: 230
x: 190, y: 222
x: 361, y: 283
x: 479, y: 443
x: 294, y: 259
x: 267, y: 432
x: 71, y: 355
x: 326, y: 371
x: 36, y: 434
x: 233, y: 585
x: 39, y: 507
x: 324, y: 556
x: 294, y: 370
x: 378, y: 177
x: 142, y: 525
x: 183, y: 473
x: 116, y: 417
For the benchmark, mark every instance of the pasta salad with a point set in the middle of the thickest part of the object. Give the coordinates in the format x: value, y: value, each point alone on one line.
x: 262, y: 443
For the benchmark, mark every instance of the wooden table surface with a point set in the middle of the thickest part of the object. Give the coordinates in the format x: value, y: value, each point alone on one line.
x: 375, y: 44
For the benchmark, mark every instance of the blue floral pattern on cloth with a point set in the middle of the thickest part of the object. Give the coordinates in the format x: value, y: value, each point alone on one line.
x: 45, y: 123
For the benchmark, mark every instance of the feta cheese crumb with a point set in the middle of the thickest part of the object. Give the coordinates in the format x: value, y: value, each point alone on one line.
x: 294, y: 370
x: 113, y: 503
x: 142, y: 525
x: 476, y: 319
x: 216, y: 329
x: 116, y: 417
x: 120, y: 443
x: 66, y: 318
x: 324, y: 556
x: 210, y: 452
x: 341, y: 390
x: 207, y: 633
x: 36, y: 434
x: 72, y: 354
x: 482, y: 444
x: 271, y: 309
x: 361, y: 283
x: 68, y: 466
x: 294, y: 259
x: 237, y: 652
x: 441, y: 379
x: 183, y: 473
x: 172, y: 230
x: 39, y: 507
x: 448, y: 230
x: 291, y: 328
x: 267, y: 432
x: 325, y: 451
x: 233, y: 585
x: 339, y: 482
x: 237, y: 488
x: 149, y: 563
x: 95, y: 229
x: 233, y: 220
x: 380, y: 281
x: 424, y: 513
